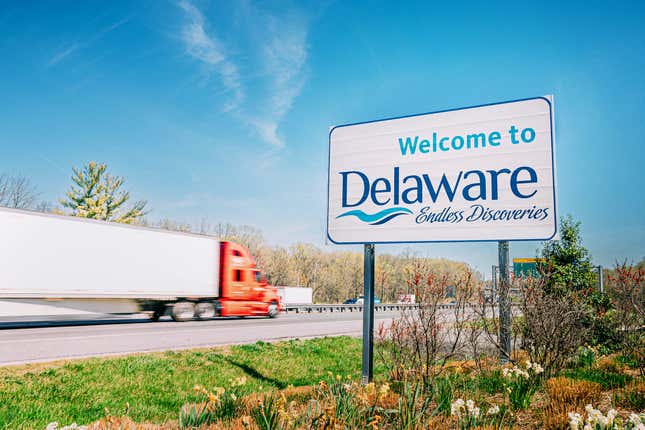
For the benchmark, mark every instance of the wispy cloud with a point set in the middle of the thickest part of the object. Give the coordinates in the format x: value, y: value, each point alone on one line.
x: 206, y: 48
x: 279, y: 42
x: 61, y: 55
x: 71, y: 48
x: 284, y: 56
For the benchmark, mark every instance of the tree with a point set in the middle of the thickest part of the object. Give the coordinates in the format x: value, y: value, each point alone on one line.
x: 568, y: 274
x: 98, y: 195
x: 565, y: 263
x: 17, y: 192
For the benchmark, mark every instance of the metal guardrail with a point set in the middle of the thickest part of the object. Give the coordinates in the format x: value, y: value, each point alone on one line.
x: 381, y: 307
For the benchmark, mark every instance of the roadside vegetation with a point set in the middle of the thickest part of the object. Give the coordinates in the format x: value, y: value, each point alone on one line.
x: 577, y: 360
x: 153, y: 387
x: 577, y: 363
x: 315, y: 384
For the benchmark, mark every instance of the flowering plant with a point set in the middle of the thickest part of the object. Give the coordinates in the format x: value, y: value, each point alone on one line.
x: 469, y: 415
x: 522, y: 383
x: 596, y: 420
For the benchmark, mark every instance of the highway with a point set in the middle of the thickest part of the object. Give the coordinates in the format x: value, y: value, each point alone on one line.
x: 48, y: 342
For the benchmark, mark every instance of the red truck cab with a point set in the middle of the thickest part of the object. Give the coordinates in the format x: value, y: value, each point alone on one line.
x: 243, y: 290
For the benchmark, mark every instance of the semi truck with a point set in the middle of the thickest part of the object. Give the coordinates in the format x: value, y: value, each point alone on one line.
x: 114, y: 268
x: 295, y: 295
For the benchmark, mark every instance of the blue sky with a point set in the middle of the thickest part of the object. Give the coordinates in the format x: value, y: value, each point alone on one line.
x: 221, y: 110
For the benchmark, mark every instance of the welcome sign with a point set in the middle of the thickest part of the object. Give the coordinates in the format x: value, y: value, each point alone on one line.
x: 485, y: 173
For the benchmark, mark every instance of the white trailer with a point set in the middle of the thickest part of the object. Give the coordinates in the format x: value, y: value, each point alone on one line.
x: 107, y: 267
x: 295, y: 295
x: 102, y: 267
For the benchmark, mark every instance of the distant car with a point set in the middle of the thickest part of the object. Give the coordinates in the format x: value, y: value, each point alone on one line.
x: 406, y: 299
x: 359, y: 300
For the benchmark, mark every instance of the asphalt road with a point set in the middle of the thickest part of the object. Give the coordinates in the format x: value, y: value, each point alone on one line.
x: 65, y: 340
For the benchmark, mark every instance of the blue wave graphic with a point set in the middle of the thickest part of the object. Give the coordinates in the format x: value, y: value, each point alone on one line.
x: 387, y: 218
x: 379, y: 217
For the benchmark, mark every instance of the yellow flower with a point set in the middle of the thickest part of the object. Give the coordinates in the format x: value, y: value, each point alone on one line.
x: 385, y: 388
x: 246, y: 421
x: 338, y: 377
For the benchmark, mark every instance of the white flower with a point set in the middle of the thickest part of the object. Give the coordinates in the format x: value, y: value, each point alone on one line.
x: 537, y: 368
x: 575, y: 420
x: 74, y: 426
x: 587, y: 427
x: 635, y: 419
x: 470, y: 405
x: 494, y: 410
x: 52, y: 426
x: 603, y: 421
x: 475, y: 412
x: 456, y: 407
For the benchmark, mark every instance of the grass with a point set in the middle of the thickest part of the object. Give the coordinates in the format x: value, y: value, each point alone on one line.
x: 607, y: 379
x: 154, y: 388
x: 156, y: 385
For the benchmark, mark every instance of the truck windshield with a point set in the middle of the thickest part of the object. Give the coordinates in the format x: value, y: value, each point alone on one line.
x: 258, y: 276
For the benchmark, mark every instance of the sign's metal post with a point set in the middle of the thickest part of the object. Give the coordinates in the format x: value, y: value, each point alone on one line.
x: 368, y: 314
x: 504, y: 302
x: 494, y: 285
x: 601, y: 285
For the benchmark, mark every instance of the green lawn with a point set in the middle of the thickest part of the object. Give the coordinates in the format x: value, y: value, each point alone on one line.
x: 156, y: 385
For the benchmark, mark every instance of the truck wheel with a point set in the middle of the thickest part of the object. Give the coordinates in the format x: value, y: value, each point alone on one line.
x: 205, y: 310
x: 273, y: 310
x: 158, y: 312
x: 183, y: 311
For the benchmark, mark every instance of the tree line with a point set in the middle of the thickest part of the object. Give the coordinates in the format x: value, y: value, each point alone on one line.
x: 334, y: 276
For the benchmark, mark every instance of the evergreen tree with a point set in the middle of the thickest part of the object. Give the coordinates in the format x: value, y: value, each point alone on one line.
x: 568, y: 272
x: 565, y: 262
x: 98, y: 195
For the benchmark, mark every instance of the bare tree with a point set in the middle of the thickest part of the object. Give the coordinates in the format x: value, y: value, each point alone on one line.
x: 17, y: 192
x: 421, y: 342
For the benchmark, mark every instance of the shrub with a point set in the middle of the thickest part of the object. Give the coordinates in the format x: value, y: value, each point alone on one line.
x: 627, y: 291
x: 424, y: 339
x: 554, y: 324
